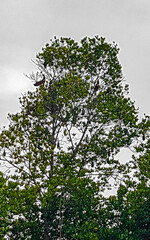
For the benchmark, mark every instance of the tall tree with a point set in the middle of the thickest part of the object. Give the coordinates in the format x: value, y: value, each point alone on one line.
x: 68, y: 131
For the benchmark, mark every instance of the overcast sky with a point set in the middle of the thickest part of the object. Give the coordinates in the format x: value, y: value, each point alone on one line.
x: 26, y: 26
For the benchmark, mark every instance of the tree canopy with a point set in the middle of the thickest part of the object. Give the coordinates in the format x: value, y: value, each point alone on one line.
x: 60, y: 150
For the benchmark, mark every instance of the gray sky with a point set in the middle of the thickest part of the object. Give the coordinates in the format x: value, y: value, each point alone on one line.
x: 26, y: 26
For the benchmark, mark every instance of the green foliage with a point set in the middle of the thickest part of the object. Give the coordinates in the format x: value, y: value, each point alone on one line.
x: 3, y: 206
x: 68, y: 131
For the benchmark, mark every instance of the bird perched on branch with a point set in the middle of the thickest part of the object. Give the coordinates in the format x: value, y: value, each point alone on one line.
x: 96, y: 86
x: 45, y: 64
x: 40, y: 82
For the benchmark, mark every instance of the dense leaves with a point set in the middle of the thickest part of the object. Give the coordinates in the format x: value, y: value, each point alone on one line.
x: 60, y: 149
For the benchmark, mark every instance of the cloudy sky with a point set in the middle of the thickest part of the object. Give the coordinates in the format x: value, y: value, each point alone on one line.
x: 26, y: 26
